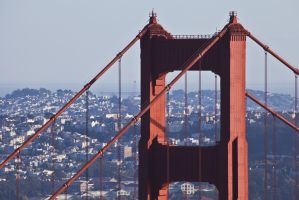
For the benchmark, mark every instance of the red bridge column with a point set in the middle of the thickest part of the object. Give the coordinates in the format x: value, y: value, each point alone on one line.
x: 153, y: 123
x: 233, y: 124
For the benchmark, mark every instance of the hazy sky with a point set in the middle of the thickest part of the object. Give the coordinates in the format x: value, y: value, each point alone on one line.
x: 63, y: 43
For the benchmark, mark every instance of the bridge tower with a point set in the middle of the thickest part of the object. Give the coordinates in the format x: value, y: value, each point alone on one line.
x: 226, y: 164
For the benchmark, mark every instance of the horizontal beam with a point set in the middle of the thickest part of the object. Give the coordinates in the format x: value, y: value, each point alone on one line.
x: 186, y: 66
x: 293, y: 126
x: 266, y: 48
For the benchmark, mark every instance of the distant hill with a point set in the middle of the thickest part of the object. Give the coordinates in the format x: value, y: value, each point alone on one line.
x: 278, y: 102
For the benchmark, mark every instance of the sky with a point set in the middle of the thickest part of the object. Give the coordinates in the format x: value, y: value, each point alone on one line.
x: 62, y: 44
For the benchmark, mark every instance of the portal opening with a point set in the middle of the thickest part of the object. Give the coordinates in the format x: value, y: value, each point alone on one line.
x: 192, y: 190
x: 193, y: 109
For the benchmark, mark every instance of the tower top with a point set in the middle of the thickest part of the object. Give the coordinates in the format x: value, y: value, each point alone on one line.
x: 153, y: 17
x: 233, y: 17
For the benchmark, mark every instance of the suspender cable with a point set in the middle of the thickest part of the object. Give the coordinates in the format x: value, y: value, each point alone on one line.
x: 87, y: 139
x: 74, y: 98
x: 101, y: 169
x: 186, y: 109
x: 52, y: 157
x: 199, y: 105
x: 186, y: 66
x: 18, y: 176
x: 274, y: 180
x: 186, y: 118
x: 135, y: 161
x: 168, y: 116
x: 199, y: 124
x: 119, y: 127
x: 216, y: 99
x: 296, y: 143
x: 265, y: 130
x: 167, y: 139
x: 101, y: 177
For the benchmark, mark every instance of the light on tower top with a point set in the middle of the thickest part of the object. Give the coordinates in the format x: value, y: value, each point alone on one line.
x: 153, y: 17
x: 233, y: 17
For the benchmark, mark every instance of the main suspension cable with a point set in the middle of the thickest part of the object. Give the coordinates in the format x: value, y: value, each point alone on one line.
x: 267, y: 49
x: 186, y: 66
x: 280, y: 117
x: 74, y: 98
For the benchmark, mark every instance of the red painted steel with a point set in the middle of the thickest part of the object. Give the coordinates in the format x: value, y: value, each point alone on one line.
x: 266, y: 48
x: 287, y: 122
x: 224, y: 165
x: 86, y: 87
x: 186, y: 67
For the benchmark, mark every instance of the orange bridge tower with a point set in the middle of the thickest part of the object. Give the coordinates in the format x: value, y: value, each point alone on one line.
x: 226, y: 164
